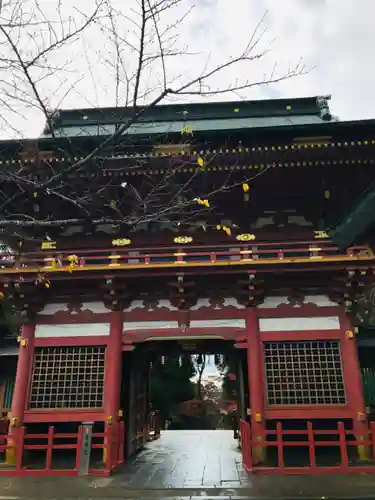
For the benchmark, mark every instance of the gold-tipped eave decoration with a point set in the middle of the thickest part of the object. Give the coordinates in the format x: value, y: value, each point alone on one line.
x: 121, y: 242
x: 186, y: 149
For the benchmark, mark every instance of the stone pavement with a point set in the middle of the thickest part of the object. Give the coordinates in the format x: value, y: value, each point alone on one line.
x: 189, y: 464
x: 183, y: 459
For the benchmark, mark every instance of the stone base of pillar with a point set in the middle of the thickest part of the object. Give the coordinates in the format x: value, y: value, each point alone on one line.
x: 11, y: 452
x: 364, y: 452
x: 259, y: 452
x: 361, y: 432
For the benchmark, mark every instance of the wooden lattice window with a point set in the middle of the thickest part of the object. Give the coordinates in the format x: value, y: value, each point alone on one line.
x: 68, y: 377
x: 304, y: 373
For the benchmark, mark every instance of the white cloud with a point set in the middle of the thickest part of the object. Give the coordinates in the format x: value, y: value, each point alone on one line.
x: 334, y: 36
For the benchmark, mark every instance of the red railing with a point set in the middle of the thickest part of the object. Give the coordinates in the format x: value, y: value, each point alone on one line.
x: 311, y: 439
x: 111, y: 442
x: 68, y: 260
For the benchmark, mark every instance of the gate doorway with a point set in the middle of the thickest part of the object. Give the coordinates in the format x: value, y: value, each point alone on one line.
x: 186, y: 394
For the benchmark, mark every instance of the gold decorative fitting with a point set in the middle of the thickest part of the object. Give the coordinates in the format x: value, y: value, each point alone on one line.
x: 121, y: 242
x: 187, y: 130
x: 349, y: 334
x: 48, y: 245
x: 245, y: 237
x: 183, y: 239
x: 320, y: 235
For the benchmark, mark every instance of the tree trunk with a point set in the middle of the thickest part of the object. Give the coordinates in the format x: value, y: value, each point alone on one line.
x: 199, y: 382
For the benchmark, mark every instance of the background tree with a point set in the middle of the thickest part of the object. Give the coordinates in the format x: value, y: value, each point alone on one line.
x: 171, y: 383
x: 134, y: 56
x: 200, y: 363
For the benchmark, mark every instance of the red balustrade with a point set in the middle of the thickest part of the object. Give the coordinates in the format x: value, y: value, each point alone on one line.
x: 340, y: 438
x: 111, y: 440
x: 253, y: 252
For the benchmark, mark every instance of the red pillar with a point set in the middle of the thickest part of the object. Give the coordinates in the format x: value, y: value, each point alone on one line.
x: 113, y: 367
x: 21, y: 388
x: 256, y: 384
x: 24, y: 366
x: 354, y: 384
x: 112, y: 386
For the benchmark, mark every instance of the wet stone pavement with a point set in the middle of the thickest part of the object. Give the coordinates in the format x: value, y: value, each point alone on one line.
x: 186, y: 459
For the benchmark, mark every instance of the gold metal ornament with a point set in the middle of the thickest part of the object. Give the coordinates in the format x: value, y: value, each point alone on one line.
x: 121, y: 242
x: 245, y: 237
x: 183, y: 239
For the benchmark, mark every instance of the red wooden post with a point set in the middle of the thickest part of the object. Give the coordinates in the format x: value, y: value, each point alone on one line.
x: 113, y: 375
x: 121, y: 442
x: 354, y: 386
x: 280, y: 446
x: 256, y: 385
x: 372, y: 430
x: 51, y: 432
x: 343, y: 446
x: 79, y: 447
x: 24, y: 366
x: 246, y: 445
x: 20, y: 445
x: 248, y: 442
x: 108, y: 444
x: 310, y: 437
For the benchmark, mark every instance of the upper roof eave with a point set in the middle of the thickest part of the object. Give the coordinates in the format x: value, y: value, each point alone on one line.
x: 333, y: 128
x: 265, y: 103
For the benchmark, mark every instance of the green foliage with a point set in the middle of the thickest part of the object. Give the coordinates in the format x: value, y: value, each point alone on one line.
x: 171, y: 384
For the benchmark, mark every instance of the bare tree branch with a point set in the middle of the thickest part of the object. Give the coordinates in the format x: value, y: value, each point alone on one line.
x: 86, y: 184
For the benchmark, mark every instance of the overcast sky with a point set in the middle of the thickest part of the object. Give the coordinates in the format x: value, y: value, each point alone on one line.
x: 335, y: 38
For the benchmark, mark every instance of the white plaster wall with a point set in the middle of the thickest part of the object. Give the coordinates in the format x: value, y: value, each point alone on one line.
x: 71, y: 330
x: 299, y: 324
x: 318, y: 300
x: 218, y: 323
x: 149, y: 325
x: 95, y: 307
x: 228, y: 302
x: 160, y: 303
x: 272, y: 302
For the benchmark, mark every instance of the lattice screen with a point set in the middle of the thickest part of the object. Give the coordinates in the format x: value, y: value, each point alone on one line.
x: 68, y: 377
x: 304, y: 373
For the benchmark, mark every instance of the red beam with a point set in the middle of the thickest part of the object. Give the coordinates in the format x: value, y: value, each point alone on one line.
x: 62, y: 415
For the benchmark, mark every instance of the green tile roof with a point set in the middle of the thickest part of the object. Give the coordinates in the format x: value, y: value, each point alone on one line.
x: 169, y: 119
